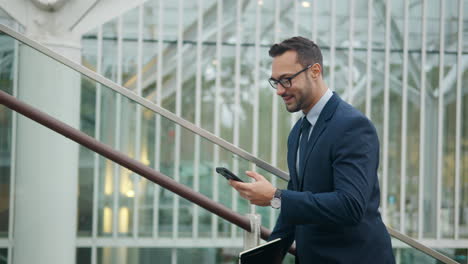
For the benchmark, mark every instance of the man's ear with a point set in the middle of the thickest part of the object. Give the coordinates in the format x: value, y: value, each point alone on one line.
x: 316, y: 70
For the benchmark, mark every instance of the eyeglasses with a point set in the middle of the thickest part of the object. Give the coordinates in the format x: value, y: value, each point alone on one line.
x: 286, y: 82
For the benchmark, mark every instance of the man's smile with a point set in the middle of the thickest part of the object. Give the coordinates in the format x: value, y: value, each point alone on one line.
x: 287, y: 98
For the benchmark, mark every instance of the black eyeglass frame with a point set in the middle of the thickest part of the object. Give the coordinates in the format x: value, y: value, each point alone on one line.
x: 286, y: 82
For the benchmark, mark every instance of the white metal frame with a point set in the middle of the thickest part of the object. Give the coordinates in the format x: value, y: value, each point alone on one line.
x: 97, y: 135
x: 404, y: 118
x: 349, y: 90
x: 157, y: 152
x: 314, y: 21
x: 459, y: 121
x: 198, y: 92
x: 118, y: 114
x: 422, y: 124
x: 137, y: 180
x: 332, y: 43
x: 370, y: 20
x: 178, y: 112
x: 237, y: 104
x: 440, y: 124
x: 217, y: 125
x: 274, y: 114
x: 386, y: 111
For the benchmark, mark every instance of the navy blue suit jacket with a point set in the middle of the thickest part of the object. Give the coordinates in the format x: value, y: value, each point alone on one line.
x: 333, y: 212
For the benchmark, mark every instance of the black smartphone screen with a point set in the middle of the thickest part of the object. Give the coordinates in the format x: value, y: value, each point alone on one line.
x: 228, y: 174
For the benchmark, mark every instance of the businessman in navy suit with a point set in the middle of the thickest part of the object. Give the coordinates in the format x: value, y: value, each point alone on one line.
x: 330, y: 207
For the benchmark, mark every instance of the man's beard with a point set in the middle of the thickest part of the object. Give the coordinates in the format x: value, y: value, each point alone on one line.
x: 296, y: 108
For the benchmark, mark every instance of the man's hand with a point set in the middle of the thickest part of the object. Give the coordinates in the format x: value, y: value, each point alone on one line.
x: 259, y: 192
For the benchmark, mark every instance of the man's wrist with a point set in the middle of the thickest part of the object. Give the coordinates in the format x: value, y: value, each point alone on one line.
x: 276, y: 201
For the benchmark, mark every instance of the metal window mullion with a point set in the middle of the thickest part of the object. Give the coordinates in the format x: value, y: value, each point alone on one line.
x: 256, y: 103
x: 398, y: 252
x: 295, y: 24
x: 97, y: 135
x: 118, y: 114
x: 274, y: 131
x: 214, y: 218
x: 404, y: 121
x: 157, y: 143
x: 422, y: 123
x: 137, y: 179
x: 369, y: 59
x: 332, y: 43
x: 198, y: 93
x: 459, y: 121
x: 14, y: 119
x: 295, y: 116
x: 174, y: 256
x: 440, y: 125
x: 351, y: 52
x: 314, y: 21
x: 176, y: 201
x: 386, y: 110
x: 237, y: 105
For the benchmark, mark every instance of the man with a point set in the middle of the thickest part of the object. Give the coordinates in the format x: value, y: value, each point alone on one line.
x: 330, y: 207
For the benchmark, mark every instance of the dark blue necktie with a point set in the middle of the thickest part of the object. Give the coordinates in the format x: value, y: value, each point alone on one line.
x: 305, y: 130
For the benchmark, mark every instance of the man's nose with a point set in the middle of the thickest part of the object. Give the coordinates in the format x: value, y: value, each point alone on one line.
x: 280, y: 89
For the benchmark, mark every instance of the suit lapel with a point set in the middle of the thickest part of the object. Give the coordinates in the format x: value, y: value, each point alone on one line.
x: 319, y: 127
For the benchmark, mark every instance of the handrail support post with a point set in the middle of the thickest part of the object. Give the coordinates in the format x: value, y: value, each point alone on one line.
x: 252, y: 239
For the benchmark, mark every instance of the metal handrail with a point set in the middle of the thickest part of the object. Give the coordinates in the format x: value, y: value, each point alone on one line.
x: 146, y: 103
x: 146, y: 171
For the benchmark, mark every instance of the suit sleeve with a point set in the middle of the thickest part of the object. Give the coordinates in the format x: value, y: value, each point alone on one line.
x: 283, y: 230
x: 354, y: 164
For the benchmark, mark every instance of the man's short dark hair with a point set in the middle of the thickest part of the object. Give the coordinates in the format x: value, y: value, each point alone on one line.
x: 308, y: 53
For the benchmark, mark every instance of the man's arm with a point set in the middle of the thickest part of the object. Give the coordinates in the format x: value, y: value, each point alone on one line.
x: 284, y: 231
x: 355, y: 159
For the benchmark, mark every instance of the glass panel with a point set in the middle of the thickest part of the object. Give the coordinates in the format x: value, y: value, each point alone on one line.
x: 405, y: 254
x: 133, y: 255
x: 166, y: 255
x: 85, y: 196
x: 83, y: 256
x: 3, y: 255
x: 109, y: 50
x: 86, y: 157
x: 464, y: 158
x: 410, y: 256
x: 7, y: 62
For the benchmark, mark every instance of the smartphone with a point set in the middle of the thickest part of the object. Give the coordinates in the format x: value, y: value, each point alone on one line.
x: 228, y: 174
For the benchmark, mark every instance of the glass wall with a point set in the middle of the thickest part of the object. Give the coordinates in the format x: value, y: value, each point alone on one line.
x: 207, y: 61
x: 402, y: 63
x: 214, y: 74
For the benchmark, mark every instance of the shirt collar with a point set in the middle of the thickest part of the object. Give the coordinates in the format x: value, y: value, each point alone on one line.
x: 314, y: 113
